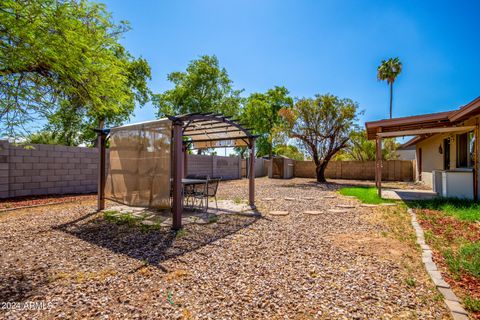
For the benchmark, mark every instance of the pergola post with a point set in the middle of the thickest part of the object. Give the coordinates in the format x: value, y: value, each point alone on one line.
x: 101, y: 141
x: 185, y: 160
x: 251, y: 177
x: 378, y: 164
x: 177, y: 194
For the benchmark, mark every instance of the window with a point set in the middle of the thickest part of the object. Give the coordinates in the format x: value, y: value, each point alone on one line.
x: 465, y: 150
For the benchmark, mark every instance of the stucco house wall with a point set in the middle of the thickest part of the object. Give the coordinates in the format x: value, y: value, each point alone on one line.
x: 432, y: 159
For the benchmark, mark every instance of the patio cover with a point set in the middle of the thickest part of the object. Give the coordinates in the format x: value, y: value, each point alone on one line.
x: 423, y: 126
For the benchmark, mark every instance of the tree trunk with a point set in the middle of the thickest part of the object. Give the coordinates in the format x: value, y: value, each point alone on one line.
x: 320, y: 171
x: 391, y: 98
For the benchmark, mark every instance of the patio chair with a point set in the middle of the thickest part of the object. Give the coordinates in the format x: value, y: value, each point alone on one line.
x: 205, y: 191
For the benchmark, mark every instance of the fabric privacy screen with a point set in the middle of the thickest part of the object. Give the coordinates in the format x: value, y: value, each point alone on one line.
x: 138, y: 173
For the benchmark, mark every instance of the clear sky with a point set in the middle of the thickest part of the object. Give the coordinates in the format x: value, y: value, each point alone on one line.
x: 316, y: 47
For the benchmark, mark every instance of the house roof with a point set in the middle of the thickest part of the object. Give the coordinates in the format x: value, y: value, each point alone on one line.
x: 424, y: 121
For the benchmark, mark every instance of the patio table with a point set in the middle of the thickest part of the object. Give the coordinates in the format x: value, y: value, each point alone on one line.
x: 186, y: 181
x: 189, y: 189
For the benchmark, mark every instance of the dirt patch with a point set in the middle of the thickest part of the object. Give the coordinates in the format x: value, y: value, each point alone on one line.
x: 22, y: 202
x: 376, y: 246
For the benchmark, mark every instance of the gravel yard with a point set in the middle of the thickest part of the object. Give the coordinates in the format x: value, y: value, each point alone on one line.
x: 334, y: 262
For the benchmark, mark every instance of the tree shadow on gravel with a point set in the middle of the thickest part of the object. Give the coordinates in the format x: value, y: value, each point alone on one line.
x: 310, y: 185
x: 154, y: 245
x: 20, y: 285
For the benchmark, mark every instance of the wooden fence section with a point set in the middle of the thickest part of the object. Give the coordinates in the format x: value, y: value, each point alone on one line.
x: 393, y: 170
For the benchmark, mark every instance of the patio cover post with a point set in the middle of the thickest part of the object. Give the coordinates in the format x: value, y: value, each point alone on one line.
x: 101, y: 138
x: 177, y: 201
x: 476, y: 164
x: 378, y: 164
x: 251, y: 177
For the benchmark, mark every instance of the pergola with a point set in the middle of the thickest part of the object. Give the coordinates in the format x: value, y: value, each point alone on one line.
x: 197, y: 131
x: 423, y: 126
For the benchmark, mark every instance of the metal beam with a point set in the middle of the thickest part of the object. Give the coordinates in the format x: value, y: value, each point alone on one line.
x: 206, y: 132
x: 223, y: 139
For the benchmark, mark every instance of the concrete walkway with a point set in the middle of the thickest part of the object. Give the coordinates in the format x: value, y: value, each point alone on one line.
x: 408, y: 195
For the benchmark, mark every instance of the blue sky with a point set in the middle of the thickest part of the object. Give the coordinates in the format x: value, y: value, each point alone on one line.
x: 316, y: 47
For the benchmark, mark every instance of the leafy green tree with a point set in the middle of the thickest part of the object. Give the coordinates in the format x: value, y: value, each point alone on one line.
x: 289, y: 151
x: 64, y: 57
x: 322, y: 125
x: 261, y: 114
x: 361, y: 149
x: 203, y: 87
x: 43, y: 137
x: 389, y: 70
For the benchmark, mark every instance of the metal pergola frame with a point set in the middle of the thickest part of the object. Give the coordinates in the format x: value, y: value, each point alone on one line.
x: 198, y: 127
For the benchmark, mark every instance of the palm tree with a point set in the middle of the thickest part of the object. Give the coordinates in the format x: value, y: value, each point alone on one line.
x: 389, y: 70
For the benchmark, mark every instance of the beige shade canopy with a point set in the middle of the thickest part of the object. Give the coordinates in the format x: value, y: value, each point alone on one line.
x: 138, y: 170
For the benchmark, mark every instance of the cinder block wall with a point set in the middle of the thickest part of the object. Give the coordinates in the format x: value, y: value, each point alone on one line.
x: 46, y: 169
x: 4, y: 169
x: 49, y: 169
x: 214, y: 166
x: 392, y: 170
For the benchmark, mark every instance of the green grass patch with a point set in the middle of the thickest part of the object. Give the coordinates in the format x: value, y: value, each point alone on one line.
x: 180, y: 233
x: 466, y: 259
x: 121, y: 218
x: 411, y: 282
x: 365, y: 194
x: 472, y: 304
x: 461, y: 209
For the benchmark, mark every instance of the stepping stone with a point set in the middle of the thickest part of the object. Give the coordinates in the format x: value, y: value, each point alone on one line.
x: 138, y: 215
x: 313, y: 212
x: 388, y: 204
x: 346, y: 206
x: 268, y: 199
x: 290, y: 199
x: 148, y: 223
x: 309, y: 198
x: 329, y: 197
x: 166, y: 223
x: 337, y: 211
x: 368, y: 205
x: 278, y: 213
